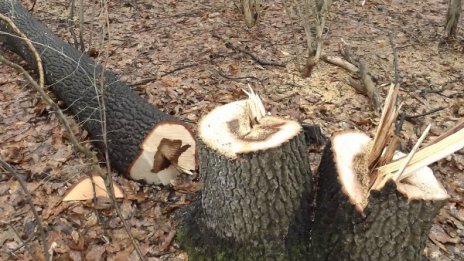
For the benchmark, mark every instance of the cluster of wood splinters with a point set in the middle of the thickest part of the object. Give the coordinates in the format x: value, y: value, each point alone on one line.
x: 379, y: 160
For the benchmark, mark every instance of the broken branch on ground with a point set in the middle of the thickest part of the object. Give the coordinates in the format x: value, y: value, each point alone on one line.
x: 362, y: 81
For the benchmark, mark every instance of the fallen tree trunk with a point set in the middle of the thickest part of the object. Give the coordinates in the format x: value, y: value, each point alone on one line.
x: 353, y: 222
x: 255, y: 200
x: 143, y: 142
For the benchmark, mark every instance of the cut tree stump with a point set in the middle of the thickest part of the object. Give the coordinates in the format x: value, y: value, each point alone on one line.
x: 353, y: 223
x: 256, y: 188
x: 143, y: 142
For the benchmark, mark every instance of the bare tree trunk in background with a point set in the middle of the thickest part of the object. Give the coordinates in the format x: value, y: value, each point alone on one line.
x: 452, y: 17
x: 321, y: 11
x: 305, y: 10
x: 250, y: 11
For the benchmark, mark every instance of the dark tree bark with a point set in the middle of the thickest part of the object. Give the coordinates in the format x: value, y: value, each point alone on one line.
x: 255, y: 207
x: 452, y: 17
x: 75, y: 78
x: 391, y: 226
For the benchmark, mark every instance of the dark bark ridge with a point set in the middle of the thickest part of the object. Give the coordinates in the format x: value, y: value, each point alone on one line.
x: 255, y: 207
x: 391, y: 227
x: 75, y: 78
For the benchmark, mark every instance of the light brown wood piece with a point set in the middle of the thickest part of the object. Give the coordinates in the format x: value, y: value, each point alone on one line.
x: 428, y: 155
x: 84, y: 189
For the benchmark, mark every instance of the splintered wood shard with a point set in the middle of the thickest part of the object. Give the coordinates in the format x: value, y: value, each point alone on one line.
x: 428, y: 155
x: 399, y: 175
x: 389, y: 115
x: 84, y: 189
x: 256, y: 107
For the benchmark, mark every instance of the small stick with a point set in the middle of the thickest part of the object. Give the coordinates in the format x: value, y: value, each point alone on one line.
x: 395, y: 59
x: 406, y: 117
x: 150, y: 79
x: 81, y: 25
x: 398, y: 175
x: 222, y: 74
x: 253, y: 56
x: 29, y: 45
x: 70, y: 24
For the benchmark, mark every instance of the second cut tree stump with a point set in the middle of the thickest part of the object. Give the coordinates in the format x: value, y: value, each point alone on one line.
x: 352, y: 223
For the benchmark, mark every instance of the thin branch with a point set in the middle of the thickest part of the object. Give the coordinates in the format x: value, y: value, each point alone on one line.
x: 228, y: 77
x: 404, y: 116
x: 150, y: 79
x: 371, y: 91
x: 81, y: 25
x: 70, y: 24
x: 253, y: 56
x: 7, y: 167
x: 33, y: 5
x: 395, y: 59
x: 321, y: 11
x: 51, y: 103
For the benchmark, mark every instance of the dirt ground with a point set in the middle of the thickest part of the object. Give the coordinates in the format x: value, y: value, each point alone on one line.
x: 174, y: 53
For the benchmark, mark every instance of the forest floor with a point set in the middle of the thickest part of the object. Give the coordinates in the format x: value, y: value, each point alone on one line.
x: 175, y: 54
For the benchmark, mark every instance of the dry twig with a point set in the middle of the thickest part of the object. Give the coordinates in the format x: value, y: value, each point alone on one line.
x: 253, y: 56
x: 154, y: 78
x: 395, y: 59
x: 70, y: 23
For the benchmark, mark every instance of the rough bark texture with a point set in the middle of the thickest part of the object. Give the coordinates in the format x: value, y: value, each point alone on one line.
x: 250, y: 10
x: 392, y: 229
x: 75, y: 78
x: 452, y: 17
x: 253, y: 208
